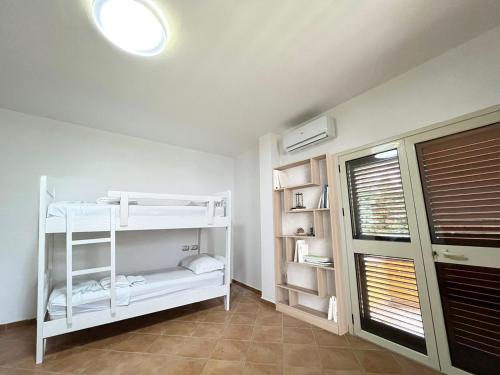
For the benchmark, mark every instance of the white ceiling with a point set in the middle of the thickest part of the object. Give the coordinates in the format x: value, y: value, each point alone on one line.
x: 235, y: 69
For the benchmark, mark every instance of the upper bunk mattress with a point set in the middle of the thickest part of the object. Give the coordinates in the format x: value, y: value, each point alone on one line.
x: 58, y: 209
x: 158, y: 283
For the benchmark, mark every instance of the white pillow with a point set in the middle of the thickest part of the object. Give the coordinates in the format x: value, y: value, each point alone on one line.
x: 202, y: 263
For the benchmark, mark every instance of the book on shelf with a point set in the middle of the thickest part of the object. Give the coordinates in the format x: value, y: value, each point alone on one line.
x: 324, y: 199
x: 301, y: 251
x: 332, y: 309
x: 279, y: 179
x: 318, y: 260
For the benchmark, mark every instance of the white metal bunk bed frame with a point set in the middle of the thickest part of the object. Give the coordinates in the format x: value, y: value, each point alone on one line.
x: 71, y: 224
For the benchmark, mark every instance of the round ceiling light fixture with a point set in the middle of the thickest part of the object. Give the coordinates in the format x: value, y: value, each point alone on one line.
x: 135, y: 26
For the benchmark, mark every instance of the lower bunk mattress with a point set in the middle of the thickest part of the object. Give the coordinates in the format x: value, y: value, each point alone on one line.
x: 90, y: 296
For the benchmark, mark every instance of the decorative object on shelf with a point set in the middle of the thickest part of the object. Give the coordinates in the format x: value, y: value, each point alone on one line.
x: 279, y: 180
x: 300, y: 232
x: 311, y: 231
x: 299, y: 201
x: 301, y: 250
x: 324, y: 199
x: 318, y: 260
x: 332, y: 309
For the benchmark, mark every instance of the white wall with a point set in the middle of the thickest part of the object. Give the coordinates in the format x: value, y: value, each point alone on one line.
x: 268, y: 158
x: 85, y: 163
x: 462, y: 80
x: 246, y: 222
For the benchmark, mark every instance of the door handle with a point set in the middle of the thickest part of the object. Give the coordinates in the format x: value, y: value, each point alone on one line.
x: 450, y: 255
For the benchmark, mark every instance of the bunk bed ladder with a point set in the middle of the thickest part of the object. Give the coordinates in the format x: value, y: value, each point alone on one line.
x: 69, y: 260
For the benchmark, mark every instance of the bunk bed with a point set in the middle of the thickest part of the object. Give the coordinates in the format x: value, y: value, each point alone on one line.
x: 57, y: 310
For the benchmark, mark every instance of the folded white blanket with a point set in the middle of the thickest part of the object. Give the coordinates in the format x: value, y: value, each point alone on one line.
x: 86, y: 286
x: 84, y: 293
x: 120, y: 282
x: 136, y: 280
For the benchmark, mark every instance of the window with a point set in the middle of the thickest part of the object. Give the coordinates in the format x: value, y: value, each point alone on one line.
x: 389, y: 300
x: 471, y: 306
x: 376, y: 198
x: 460, y: 177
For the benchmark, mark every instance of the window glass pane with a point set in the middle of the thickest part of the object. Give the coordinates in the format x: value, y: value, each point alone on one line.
x: 460, y: 176
x: 389, y: 300
x: 376, y: 198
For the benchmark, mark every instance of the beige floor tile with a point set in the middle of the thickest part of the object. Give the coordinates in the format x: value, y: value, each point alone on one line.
x: 289, y: 321
x: 196, y: 347
x: 165, y: 345
x: 23, y: 332
x: 194, y: 316
x: 296, y: 355
x: 231, y: 350
x: 265, y: 353
x: 238, y: 332
x: 183, y: 366
x: 302, y: 371
x: 74, y: 360
x: 267, y: 333
x: 212, y: 330
x: 218, y: 367
x: 13, y: 353
x: 133, y: 342
x: 176, y: 328
x: 413, y: 368
x: 259, y: 369
x: 294, y: 335
x: 217, y: 317
x: 325, y: 338
x: 243, y: 318
x: 269, y: 319
x: 251, y: 298
x: 155, y: 328
x: 247, y: 308
x: 359, y: 343
x: 338, y: 359
x: 378, y: 361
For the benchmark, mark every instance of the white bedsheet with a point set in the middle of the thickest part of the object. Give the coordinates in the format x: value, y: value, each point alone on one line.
x: 158, y: 283
x: 58, y: 209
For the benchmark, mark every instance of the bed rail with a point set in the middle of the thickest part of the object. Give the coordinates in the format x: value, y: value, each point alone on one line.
x: 211, y: 201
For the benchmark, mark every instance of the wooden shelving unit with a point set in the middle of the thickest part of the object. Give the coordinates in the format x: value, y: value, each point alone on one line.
x: 292, y: 298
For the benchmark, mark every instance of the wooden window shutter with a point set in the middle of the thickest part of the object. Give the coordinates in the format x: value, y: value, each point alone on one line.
x: 376, y: 197
x: 389, y: 300
x: 460, y: 177
x: 471, y: 306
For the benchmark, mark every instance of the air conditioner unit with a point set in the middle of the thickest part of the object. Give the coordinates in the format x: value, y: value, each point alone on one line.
x: 315, y: 131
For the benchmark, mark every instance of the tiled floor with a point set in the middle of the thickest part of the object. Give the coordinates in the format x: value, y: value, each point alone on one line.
x: 203, y: 339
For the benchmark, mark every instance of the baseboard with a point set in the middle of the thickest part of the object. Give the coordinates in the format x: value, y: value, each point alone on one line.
x: 20, y: 323
x: 254, y: 290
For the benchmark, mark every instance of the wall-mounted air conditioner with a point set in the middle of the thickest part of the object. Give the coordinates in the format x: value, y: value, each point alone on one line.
x: 315, y: 131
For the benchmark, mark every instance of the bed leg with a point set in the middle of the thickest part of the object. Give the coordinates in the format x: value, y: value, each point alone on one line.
x: 40, y: 349
x: 227, y: 302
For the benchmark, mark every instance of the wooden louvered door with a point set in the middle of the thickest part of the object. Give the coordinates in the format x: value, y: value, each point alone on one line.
x: 388, y: 285
x: 455, y: 172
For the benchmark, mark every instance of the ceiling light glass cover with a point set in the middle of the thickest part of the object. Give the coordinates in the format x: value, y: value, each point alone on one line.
x: 135, y: 26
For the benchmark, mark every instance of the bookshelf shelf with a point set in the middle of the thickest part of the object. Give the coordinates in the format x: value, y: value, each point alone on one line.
x: 296, y: 285
x: 330, y: 268
x: 295, y: 236
x: 308, y: 210
x: 319, y: 314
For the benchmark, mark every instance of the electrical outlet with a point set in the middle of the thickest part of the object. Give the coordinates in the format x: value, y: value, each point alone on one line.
x: 185, y: 248
x: 194, y: 247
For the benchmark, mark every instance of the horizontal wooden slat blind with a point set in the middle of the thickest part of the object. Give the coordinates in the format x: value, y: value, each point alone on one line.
x: 390, y: 305
x: 471, y: 303
x: 376, y: 197
x: 461, y: 182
